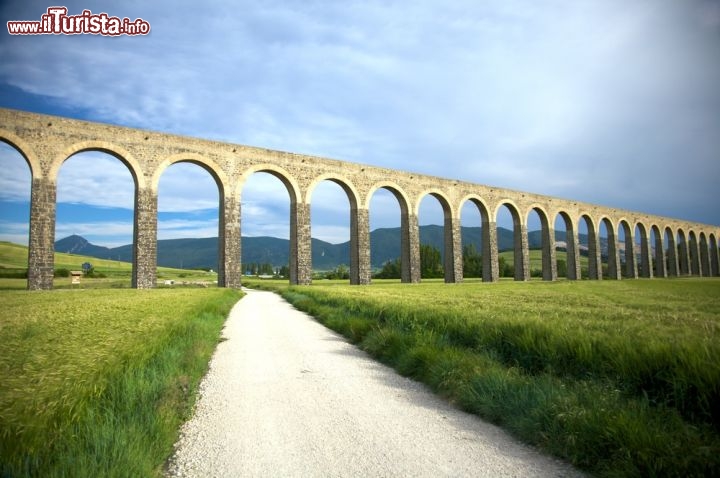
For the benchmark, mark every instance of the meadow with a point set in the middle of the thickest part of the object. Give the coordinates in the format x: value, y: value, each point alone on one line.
x: 621, y: 378
x: 98, y: 382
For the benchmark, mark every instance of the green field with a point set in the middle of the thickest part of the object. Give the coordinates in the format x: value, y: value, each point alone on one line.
x: 621, y: 378
x: 97, y: 382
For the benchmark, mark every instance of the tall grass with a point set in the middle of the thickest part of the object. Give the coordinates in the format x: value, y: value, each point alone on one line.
x: 96, y: 383
x: 622, y: 378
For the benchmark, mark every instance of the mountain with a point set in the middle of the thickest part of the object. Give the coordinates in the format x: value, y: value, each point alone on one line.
x: 202, y: 252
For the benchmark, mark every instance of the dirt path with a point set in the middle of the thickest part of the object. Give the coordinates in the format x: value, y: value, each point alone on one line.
x: 287, y: 397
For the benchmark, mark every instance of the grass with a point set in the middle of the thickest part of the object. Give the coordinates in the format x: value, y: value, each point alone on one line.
x: 621, y: 378
x: 97, y: 382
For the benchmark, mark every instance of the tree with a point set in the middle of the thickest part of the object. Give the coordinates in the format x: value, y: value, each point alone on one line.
x: 472, y: 262
x: 390, y: 270
x: 430, y: 263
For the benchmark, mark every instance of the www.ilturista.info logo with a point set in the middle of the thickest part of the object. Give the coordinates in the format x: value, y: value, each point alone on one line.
x: 57, y: 22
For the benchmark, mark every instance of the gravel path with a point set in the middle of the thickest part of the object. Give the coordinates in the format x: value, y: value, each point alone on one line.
x: 285, y: 396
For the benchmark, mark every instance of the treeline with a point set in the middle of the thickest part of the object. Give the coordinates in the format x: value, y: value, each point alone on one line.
x: 266, y: 269
x: 431, y: 265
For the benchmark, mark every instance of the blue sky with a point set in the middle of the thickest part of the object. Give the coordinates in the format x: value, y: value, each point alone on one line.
x: 612, y: 102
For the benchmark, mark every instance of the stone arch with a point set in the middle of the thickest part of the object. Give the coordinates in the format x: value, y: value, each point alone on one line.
x: 25, y: 150
x: 683, y: 252
x: 283, y: 175
x: 359, y: 227
x: 300, y: 240
x: 704, y: 255
x: 660, y: 259
x: 593, y: 248
x: 345, y: 184
x: 114, y: 150
x: 572, y: 251
x: 547, y: 233
x: 207, y: 164
x: 489, y: 251
x: 671, y: 253
x: 630, y: 269
x: 645, y: 266
x: 714, y: 256
x: 409, y: 237
x: 613, y: 257
x: 520, y: 253
x: 694, y: 253
x: 452, y: 247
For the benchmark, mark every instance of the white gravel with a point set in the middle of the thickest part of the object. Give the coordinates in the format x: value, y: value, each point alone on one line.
x: 286, y: 397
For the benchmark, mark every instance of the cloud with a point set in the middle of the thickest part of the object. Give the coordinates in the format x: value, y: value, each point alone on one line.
x: 601, y: 101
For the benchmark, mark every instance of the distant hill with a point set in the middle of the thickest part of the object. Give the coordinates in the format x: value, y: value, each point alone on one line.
x: 202, y: 252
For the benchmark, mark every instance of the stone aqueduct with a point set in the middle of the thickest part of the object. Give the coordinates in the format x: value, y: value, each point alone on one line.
x: 681, y: 247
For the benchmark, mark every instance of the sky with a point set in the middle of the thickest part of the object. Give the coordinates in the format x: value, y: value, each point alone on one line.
x: 612, y: 102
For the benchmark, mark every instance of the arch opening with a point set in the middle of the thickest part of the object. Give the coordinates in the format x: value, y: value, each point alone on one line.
x: 472, y: 219
x: 95, y: 214
x: 266, y: 200
x: 541, y: 245
x: 15, y: 191
x: 609, y: 251
x: 388, y: 254
x: 566, y: 247
x: 513, y: 258
x: 643, y: 251
x: 627, y: 250
x: 330, y: 213
x: 589, y: 247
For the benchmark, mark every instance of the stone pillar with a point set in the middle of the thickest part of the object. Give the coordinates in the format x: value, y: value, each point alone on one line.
x: 360, y: 267
x: 594, y: 259
x: 491, y: 271
x: 660, y: 266
x: 613, y: 257
x: 521, y: 253
x: 672, y: 257
x: 41, y: 245
x: 630, y: 264
x: 573, y: 254
x: 300, y: 244
x: 645, y: 258
x: 410, y: 248
x: 229, y: 244
x: 453, y: 251
x: 549, y: 261
x: 145, y: 239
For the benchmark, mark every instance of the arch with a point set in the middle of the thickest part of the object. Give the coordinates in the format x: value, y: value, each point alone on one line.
x: 547, y: 242
x: 613, y: 258
x: 683, y: 252
x: 25, y: 150
x: 593, y: 248
x: 352, y: 259
x: 520, y: 245
x: 397, y: 191
x: 658, y: 244
x: 572, y: 255
x: 645, y: 266
x: 489, y: 251
x: 409, y: 235
x: 283, y: 175
x: 104, y: 147
x: 671, y: 253
x: 345, y: 184
x: 630, y: 269
x: 207, y: 164
x: 714, y: 256
x: 704, y: 255
x: 694, y: 253
x: 452, y: 244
